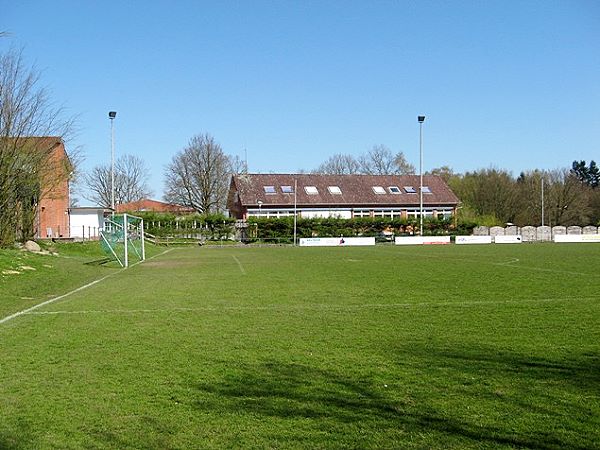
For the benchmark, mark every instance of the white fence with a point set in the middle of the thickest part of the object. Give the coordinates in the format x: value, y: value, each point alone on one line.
x: 530, y: 233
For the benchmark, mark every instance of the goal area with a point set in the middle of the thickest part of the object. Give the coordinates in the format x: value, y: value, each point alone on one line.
x: 122, y: 238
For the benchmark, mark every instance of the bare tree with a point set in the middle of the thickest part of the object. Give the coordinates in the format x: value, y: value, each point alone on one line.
x: 198, y: 176
x: 377, y: 161
x: 131, y: 182
x: 381, y: 161
x: 567, y: 199
x: 339, y: 164
x: 26, y: 166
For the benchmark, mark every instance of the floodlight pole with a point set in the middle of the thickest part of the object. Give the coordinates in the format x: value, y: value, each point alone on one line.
x: 421, y: 119
x: 111, y: 116
x: 542, y: 199
x: 295, y: 208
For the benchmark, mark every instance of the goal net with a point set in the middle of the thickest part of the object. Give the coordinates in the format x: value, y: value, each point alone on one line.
x: 122, y: 238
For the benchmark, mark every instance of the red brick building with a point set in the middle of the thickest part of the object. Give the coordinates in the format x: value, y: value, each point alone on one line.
x: 53, y: 208
x: 154, y: 206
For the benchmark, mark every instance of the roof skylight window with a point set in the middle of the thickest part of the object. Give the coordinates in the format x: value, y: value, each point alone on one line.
x: 269, y: 189
x: 287, y: 189
x: 311, y: 190
x: 426, y: 190
x: 335, y: 190
x: 410, y: 189
x: 378, y: 190
x: 395, y: 190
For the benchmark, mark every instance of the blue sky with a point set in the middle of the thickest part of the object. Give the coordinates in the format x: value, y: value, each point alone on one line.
x: 510, y: 84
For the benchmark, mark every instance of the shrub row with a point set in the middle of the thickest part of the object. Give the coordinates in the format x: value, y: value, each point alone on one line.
x: 283, y: 228
x: 217, y: 226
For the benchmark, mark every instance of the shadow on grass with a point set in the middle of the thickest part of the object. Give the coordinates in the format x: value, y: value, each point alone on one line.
x: 98, y: 262
x: 16, y: 440
x: 300, y: 391
x: 580, y: 372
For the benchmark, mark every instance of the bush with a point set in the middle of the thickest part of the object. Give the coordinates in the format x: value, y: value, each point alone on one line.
x: 207, y: 226
x: 282, y: 229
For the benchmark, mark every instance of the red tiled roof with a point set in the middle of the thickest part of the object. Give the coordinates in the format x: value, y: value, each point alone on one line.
x: 357, y: 190
x: 153, y: 205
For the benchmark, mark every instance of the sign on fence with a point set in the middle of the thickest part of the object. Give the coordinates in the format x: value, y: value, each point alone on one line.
x: 421, y: 240
x: 577, y: 238
x: 508, y: 239
x: 336, y: 242
x: 473, y: 239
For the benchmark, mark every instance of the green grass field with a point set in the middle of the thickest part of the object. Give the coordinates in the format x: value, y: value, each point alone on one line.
x: 382, y: 347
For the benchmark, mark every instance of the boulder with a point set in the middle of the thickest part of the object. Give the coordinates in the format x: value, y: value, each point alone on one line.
x: 31, y: 246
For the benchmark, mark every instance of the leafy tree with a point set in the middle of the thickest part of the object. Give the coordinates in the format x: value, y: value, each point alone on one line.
x: 444, y: 172
x: 488, y: 192
x: 588, y: 175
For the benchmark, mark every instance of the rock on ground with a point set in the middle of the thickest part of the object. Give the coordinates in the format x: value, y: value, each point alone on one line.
x: 31, y: 246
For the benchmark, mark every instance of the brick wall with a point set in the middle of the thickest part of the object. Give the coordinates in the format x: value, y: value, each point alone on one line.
x: 53, y: 217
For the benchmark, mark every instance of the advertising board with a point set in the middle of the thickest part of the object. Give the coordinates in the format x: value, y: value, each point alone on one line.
x: 337, y: 242
x: 421, y: 240
x: 517, y: 239
x: 577, y: 238
x: 473, y: 239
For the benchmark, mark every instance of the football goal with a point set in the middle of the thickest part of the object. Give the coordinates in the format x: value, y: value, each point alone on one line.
x: 122, y: 238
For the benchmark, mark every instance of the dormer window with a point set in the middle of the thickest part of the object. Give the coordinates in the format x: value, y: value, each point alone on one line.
x: 311, y: 190
x: 378, y: 190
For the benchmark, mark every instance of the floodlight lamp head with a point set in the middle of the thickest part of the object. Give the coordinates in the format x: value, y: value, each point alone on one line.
x: 112, y: 114
x: 421, y: 119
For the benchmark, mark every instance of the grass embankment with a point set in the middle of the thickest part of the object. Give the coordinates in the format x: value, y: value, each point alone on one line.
x: 27, y: 279
x: 387, y: 347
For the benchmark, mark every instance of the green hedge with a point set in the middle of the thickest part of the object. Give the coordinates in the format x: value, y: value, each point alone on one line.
x: 210, y: 226
x: 282, y: 229
x: 217, y: 227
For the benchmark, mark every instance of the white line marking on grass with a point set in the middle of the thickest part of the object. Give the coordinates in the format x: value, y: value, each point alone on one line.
x: 512, y: 261
x: 510, y: 264
x: 316, y: 306
x: 239, y: 265
x: 81, y: 288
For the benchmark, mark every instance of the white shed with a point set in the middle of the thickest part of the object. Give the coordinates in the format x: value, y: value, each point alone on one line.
x: 86, y: 222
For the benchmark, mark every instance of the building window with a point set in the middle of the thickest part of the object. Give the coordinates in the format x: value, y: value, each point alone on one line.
x: 394, y: 190
x: 410, y: 190
x: 335, y: 190
x: 362, y: 213
x: 426, y: 190
x: 287, y: 189
x: 378, y: 190
x: 269, y: 189
x: 311, y: 190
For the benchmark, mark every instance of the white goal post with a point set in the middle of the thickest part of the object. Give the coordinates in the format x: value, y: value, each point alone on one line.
x: 122, y: 238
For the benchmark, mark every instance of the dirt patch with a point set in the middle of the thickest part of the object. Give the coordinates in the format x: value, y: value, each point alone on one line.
x: 169, y: 264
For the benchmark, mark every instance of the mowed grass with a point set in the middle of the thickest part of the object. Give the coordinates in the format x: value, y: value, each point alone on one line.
x: 385, y: 347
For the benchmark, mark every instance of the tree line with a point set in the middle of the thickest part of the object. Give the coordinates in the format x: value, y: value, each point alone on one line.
x: 198, y: 177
